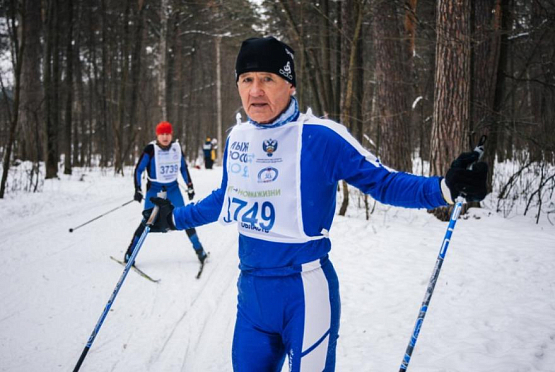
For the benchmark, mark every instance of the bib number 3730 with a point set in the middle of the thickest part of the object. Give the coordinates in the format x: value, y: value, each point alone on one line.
x: 254, y: 215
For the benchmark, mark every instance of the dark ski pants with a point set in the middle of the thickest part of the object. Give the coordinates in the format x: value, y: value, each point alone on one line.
x: 295, y: 315
x: 208, y: 163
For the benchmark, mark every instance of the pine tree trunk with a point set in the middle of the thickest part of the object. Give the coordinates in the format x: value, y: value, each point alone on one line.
x: 31, y: 89
x: 346, y: 111
x: 19, y: 53
x: 219, y: 131
x: 51, y: 89
x: 485, y: 62
x: 308, y: 63
x: 452, y: 84
x: 104, y: 92
x: 119, y: 125
x: 452, y: 87
x: 136, y: 68
x: 69, y: 89
x: 162, y: 62
x: 325, y: 47
x: 394, y: 83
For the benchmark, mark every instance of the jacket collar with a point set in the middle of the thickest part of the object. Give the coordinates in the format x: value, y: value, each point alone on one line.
x: 291, y: 113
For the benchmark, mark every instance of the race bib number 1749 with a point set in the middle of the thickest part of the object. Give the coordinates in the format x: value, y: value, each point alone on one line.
x: 259, y: 216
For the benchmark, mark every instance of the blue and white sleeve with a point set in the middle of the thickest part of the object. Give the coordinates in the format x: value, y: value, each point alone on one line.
x: 142, y: 164
x: 363, y: 170
x: 205, y: 211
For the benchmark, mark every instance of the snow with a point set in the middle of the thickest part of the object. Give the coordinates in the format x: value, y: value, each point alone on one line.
x: 493, y: 306
x: 416, y: 101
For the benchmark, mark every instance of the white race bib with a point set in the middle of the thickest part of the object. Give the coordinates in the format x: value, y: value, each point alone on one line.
x: 167, y: 163
x: 263, y: 192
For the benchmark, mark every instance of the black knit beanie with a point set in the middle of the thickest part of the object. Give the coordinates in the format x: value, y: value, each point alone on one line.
x: 266, y: 54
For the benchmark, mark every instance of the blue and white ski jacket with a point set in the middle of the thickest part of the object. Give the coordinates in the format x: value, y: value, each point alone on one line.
x: 280, y: 184
x: 172, y: 167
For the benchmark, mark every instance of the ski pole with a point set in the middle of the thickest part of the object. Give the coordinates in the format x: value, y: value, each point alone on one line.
x: 102, y: 215
x: 128, y: 266
x: 439, y: 262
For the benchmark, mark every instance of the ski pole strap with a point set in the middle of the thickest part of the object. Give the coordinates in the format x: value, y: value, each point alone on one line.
x: 480, y: 146
x: 153, y: 216
x: 162, y: 194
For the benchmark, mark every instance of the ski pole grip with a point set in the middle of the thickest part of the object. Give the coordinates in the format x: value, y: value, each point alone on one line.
x: 480, y: 146
x: 162, y: 194
x: 479, y: 149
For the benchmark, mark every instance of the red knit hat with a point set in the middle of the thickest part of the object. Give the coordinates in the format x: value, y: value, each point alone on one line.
x: 164, y: 128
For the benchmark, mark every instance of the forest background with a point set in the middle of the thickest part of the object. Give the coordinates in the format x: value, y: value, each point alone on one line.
x: 83, y: 83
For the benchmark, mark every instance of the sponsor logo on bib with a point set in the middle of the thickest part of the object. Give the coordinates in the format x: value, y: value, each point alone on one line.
x: 270, y: 146
x: 267, y: 175
x: 175, y: 153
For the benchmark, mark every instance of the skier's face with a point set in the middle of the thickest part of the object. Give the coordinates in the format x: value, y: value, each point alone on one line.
x: 264, y: 95
x: 164, y: 139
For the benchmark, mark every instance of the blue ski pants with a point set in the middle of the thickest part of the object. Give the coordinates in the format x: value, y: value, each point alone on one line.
x: 295, y: 315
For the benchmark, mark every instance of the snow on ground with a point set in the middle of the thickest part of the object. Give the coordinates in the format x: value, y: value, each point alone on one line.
x: 493, y: 307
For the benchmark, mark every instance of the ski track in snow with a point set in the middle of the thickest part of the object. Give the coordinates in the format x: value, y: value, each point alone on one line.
x: 188, y: 332
x: 493, y: 306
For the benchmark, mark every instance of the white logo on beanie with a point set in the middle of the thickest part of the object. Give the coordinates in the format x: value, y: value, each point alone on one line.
x: 289, y: 52
x: 286, y: 70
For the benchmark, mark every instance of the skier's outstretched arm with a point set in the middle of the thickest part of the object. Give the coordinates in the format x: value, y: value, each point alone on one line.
x: 205, y: 211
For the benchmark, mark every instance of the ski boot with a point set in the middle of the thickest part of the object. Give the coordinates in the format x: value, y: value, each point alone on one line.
x: 127, y: 256
x: 129, y: 250
x: 201, y: 254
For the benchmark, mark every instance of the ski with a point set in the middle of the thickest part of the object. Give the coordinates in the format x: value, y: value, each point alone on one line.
x: 202, y: 265
x: 137, y: 270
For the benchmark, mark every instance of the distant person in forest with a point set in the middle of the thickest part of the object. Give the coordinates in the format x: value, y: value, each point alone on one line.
x: 214, y: 155
x: 163, y: 160
x: 281, y: 171
x: 207, y: 150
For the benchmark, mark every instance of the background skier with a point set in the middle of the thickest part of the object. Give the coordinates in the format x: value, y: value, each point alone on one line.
x: 207, y: 150
x: 163, y: 160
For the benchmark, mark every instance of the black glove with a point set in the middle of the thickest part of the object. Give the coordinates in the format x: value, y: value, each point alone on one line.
x: 469, y: 183
x: 138, y: 196
x: 190, y: 191
x: 164, y: 220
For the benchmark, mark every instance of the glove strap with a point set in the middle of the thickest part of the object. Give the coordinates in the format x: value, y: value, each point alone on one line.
x: 446, y: 192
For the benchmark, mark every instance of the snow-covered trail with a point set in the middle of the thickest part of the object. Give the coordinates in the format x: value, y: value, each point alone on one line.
x: 67, y: 279
x: 493, y: 307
